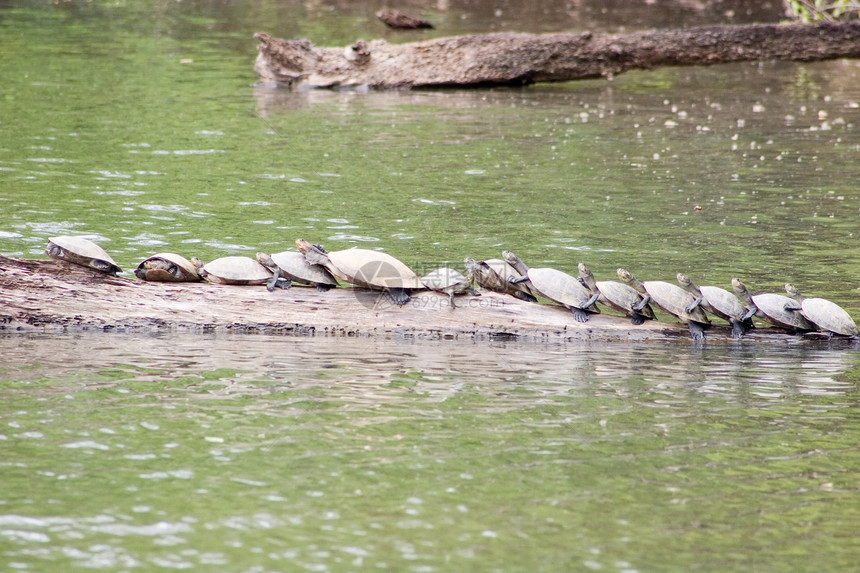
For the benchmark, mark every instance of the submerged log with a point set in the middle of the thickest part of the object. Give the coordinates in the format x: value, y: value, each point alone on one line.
x: 397, y: 19
x: 55, y: 296
x: 520, y: 59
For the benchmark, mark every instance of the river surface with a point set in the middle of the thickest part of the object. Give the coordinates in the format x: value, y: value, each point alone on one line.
x: 140, y: 125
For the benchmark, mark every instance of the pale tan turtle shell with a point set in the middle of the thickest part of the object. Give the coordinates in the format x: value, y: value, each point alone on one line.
x: 81, y: 251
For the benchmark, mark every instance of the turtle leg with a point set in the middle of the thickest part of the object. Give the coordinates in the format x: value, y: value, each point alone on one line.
x: 696, y: 330
x: 451, y: 300
x: 646, y: 298
x: 637, y: 318
x: 579, y: 315
x: 323, y: 287
x: 276, y: 281
x: 517, y: 280
x: 525, y: 296
x: 101, y: 266
x: 592, y: 300
x: 750, y: 313
x: 399, y: 296
x: 693, y: 305
x: 738, y: 328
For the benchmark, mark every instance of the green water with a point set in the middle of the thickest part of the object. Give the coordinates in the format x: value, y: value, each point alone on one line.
x: 139, y: 124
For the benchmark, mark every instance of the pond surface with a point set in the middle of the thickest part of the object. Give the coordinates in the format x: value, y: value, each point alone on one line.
x: 139, y: 125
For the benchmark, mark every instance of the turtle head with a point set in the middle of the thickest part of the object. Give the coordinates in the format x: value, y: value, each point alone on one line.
x: 740, y: 288
x: 510, y: 258
x: 303, y: 246
x: 584, y: 271
x: 198, y: 265
x: 793, y: 291
x: 624, y: 275
x: 265, y: 260
x: 684, y: 280
x: 515, y: 262
x: 314, y: 254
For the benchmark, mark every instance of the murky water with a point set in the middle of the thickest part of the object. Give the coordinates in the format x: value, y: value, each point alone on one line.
x: 139, y: 125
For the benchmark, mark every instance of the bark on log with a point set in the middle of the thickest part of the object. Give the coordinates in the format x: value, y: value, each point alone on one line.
x: 55, y: 296
x: 519, y: 59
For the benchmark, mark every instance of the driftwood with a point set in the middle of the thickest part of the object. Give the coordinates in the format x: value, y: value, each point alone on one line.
x: 520, y: 59
x: 397, y: 19
x: 55, y: 296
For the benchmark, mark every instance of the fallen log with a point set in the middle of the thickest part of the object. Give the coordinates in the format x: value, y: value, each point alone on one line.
x: 55, y: 296
x: 516, y: 59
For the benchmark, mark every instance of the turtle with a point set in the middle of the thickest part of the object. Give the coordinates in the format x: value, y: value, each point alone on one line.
x: 167, y: 267
x: 826, y: 315
x: 616, y: 295
x: 290, y: 267
x: 364, y: 267
x: 671, y: 298
x: 494, y: 275
x: 771, y: 307
x: 720, y: 302
x: 233, y: 270
x: 449, y: 281
x: 81, y: 251
x: 557, y: 286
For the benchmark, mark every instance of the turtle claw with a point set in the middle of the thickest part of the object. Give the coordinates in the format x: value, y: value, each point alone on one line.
x: 579, y: 315
x: 399, y: 296
x: 636, y: 319
x: 696, y: 330
x: 738, y: 328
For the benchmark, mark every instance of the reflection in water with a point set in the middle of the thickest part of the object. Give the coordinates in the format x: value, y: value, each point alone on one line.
x: 366, y: 371
x: 195, y: 451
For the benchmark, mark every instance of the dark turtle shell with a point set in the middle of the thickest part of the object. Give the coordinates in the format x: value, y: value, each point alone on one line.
x: 167, y: 267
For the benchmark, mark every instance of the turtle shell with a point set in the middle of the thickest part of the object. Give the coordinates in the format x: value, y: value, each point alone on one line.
x: 561, y: 287
x: 828, y: 316
x: 446, y: 279
x: 771, y: 307
x: 373, y: 269
x: 167, y: 267
x: 236, y: 270
x: 675, y: 300
x: 294, y: 266
x: 723, y: 303
x: 493, y: 274
x: 81, y: 251
x: 621, y: 297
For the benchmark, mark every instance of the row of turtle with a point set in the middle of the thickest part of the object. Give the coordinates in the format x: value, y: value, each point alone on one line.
x: 312, y: 265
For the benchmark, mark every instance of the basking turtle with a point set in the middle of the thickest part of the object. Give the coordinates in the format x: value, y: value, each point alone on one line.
x: 671, y: 298
x: 771, y: 307
x: 366, y: 268
x: 720, y: 302
x: 494, y: 275
x: 826, y: 315
x: 167, y: 267
x: 290, y: 267
x: 449, y: 281
x: 616, y: 295
x: 557, y: 286
x: 234, y: 270
x: 81, y: 251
